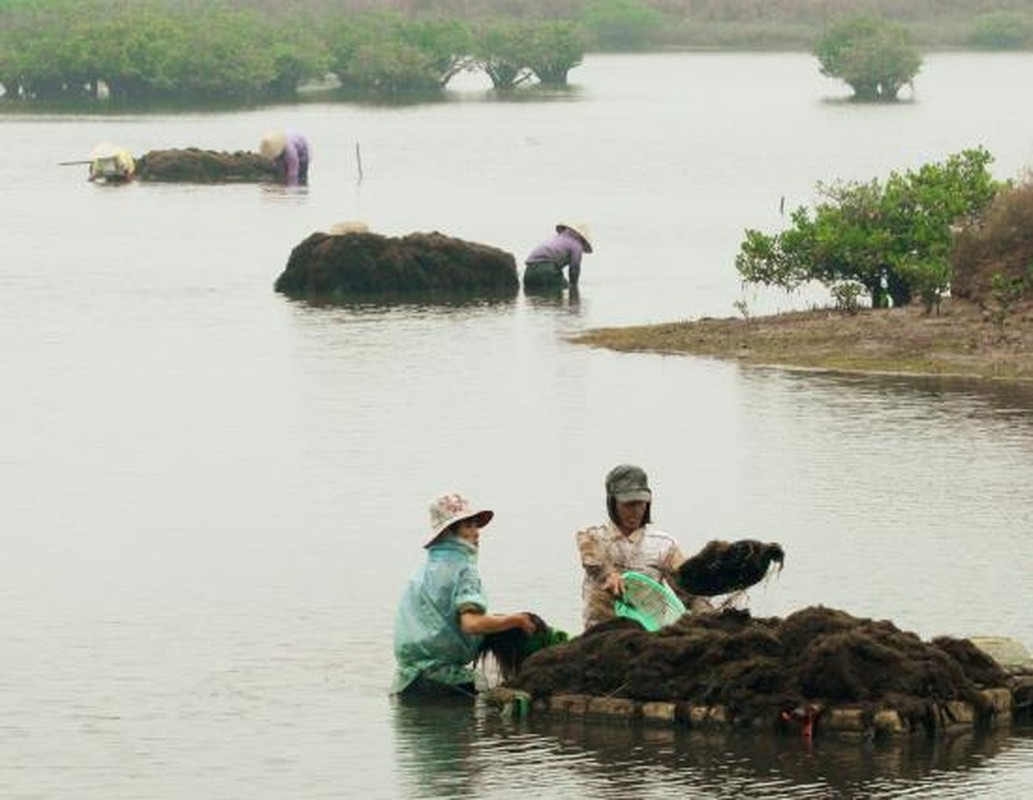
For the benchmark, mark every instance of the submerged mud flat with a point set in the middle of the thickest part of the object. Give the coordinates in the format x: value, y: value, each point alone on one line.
x: 817, y: 670
x: 360, y: 264
x: 193, y: 165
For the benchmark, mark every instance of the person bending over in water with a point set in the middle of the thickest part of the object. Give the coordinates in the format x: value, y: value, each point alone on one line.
x: 544, y: 265
x: 290, y: 154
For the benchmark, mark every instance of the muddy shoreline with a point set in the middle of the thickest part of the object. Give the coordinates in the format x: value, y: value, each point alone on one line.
x: 962, y: 340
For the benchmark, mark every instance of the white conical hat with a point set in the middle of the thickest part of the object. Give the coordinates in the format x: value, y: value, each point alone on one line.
x: 272, y: 144
x: 350, y: 226
x: 581, y: 229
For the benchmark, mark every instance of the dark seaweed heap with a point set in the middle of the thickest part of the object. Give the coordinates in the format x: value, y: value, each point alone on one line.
x: 204, y: 166
x: 724, y: 567
x: 360, y: 265
x: 759, y: 668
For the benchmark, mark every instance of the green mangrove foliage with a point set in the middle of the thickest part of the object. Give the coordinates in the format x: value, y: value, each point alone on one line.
x: 499, y: 50
x: 254, y: 49
x: 874, y: 56
x: 389, y: 52
x: 512, y: 53
x: 155, y: 48
x: 553, y: 50
x: 892, y: 238
x: 62, y: 48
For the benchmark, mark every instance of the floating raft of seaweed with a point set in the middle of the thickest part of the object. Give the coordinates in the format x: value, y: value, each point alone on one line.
x: 357, y: 264
x: 817, y: 671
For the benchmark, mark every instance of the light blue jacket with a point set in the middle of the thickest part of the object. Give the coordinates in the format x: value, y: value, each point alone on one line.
x: 428, y: 639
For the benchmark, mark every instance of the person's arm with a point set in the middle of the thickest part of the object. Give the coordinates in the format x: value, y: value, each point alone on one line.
x: 477, y: 623
x: 611, y: 582
x: 597, y: 567
x: 575, y: 259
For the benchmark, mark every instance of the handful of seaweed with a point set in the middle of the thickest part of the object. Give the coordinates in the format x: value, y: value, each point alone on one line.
x: 510, y: 648
x: 722, y: 567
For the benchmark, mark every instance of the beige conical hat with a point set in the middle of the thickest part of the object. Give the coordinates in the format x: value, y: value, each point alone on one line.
x: 272, y: 144
x: 350, y: 226
x: 581, y: 229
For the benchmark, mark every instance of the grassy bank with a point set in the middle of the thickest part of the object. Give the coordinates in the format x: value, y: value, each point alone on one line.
x: 961, y: 340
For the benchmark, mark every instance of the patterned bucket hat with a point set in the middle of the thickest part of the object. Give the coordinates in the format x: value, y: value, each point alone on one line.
x: 451, y: 508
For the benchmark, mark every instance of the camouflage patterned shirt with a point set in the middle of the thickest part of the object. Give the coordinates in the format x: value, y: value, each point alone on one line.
x: 605, y: 549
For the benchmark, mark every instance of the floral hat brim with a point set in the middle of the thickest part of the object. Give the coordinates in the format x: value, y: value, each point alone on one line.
x: 451, y: 508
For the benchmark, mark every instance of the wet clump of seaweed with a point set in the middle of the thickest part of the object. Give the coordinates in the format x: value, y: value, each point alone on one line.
x: 510, y: 648
x: 193, y: 165
x: 724, y: 567
x: 766, y: 668
x: 356, y: 265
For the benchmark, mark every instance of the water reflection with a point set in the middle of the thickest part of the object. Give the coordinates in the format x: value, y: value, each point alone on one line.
x: 643, y: 761
x: 283, y: 190
x: 435, y: 744
x: 413, y: 303
x: 459, y: 751
x: 972, y: 397
x: 554, y: 298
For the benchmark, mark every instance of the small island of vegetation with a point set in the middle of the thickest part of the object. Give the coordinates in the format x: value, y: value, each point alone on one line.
x: 930, y: 272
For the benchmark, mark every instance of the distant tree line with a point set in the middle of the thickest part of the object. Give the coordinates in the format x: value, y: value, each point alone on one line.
x: 733, y: 24
x: 155, y: 48
x: 265, y: 48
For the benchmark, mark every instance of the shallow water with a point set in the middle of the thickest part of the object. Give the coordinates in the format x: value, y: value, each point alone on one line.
x: 214, y: 494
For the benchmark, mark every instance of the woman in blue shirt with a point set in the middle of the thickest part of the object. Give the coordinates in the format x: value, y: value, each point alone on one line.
x: 442, y: 616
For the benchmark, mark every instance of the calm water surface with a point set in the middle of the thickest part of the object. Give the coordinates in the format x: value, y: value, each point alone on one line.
x: 214, y: 495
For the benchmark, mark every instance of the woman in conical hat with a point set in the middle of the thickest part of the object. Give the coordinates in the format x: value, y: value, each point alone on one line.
x: 110, y: 163
x: 290, y: 153
x: 545, y: 263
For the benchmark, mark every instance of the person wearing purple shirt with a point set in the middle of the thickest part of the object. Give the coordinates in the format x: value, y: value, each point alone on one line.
x: 544, y: 265
x: 290, y: 154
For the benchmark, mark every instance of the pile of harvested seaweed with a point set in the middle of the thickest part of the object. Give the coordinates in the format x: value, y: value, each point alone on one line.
x: 192, y: 165
x: 360, y: 264
x: 759, y: 669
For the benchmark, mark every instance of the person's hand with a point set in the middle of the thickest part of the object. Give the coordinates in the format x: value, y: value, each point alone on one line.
x: 526, y: 622
x: 614, y: 584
